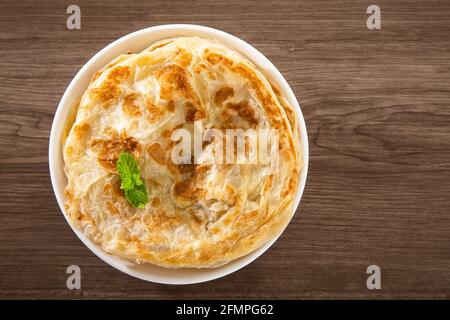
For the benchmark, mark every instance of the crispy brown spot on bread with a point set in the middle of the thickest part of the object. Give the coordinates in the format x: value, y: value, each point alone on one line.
x: 190, y: 187
x: 157, y: 153
x: 159, y: 45
x: 119, y: 59
x: 184, y: 57
x: 111, y: 132
x: 291, y: 187
x: 190, y: 114
x: 175, y: 80
x: 69, y: 151
x: 201, y: 171
x: 68, y: 192
x: 185, y: 168
x: 159, y: 221
x: 199, y: 68
x: 119, y: 74
x: 223, y: 94
x: 211, y: 75
x: 197, y: 218
x: 171, y: 106
x: 202, y: 67
x: 180, y: 169
x: 116, y: 191
x: 270, y: 105
x: 109, y: 150
x: 166, y: 133
x: 84, y: 216
x: 230, y: 195
x: 263, y: 94
x: 245, y: 111
x: 107, y: 188
x: 154, y: 112
x: 225, y: 116
x: 81, y: 130
x: 246, y: 218
x: 182, y: 189
x: 109, y: 91
x: 215, y: 230
x: 156, y: 202
x: 193, y: 113
x: 153, y: 183
x: 216, y: 58
x: 130, y: 105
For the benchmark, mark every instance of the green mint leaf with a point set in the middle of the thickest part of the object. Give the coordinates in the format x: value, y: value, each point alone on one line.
x: 137, y: 178
x: 128, y: 171
x: 131, y: 181
x: 125, y: 165
x: 126, y: 183
x: 138, y: 196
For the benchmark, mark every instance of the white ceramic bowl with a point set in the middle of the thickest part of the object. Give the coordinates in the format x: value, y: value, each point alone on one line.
x: 136, y: 42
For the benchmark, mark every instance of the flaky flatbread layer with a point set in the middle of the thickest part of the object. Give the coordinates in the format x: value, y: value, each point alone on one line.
x: 198, y: 215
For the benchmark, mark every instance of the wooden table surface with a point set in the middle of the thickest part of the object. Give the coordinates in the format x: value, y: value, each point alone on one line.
x: 377, y: 109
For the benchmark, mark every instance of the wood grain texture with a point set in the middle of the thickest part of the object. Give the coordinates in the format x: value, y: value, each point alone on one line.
x: 377, y: 108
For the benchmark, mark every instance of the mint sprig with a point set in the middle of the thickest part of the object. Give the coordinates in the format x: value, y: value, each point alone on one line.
x: 131, y: 181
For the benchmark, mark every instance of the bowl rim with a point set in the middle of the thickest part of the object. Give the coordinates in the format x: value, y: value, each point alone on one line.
x: 55, y: 152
